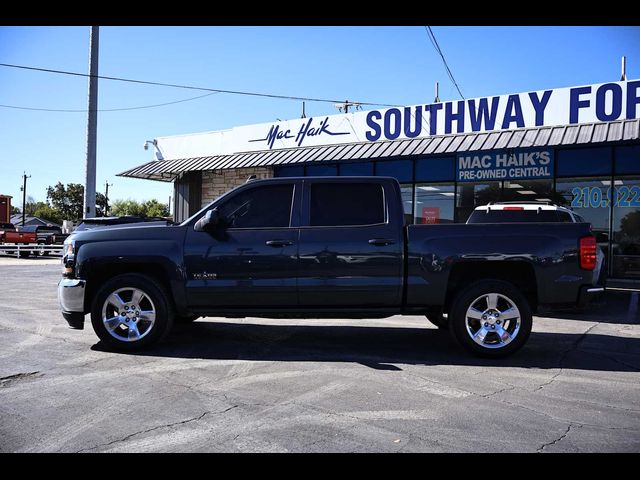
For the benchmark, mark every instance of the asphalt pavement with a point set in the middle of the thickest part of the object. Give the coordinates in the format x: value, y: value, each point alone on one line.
x: 256, y: 385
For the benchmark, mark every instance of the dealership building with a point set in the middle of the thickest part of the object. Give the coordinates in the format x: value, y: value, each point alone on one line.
x: 574, y: 146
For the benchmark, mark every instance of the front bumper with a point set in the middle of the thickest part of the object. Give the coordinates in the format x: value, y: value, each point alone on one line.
x: 71, y: 299
x: 588, y: 294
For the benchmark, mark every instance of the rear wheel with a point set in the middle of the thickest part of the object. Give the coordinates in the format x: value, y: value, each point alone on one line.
x: 491, y: 318
x: 131, y: 312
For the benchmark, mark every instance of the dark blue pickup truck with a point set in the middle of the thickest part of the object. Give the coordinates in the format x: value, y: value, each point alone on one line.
x: 324, y: 247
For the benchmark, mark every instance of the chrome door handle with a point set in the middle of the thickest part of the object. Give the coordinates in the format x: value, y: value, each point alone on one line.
x: 381, y: 242
x: 278, y: 243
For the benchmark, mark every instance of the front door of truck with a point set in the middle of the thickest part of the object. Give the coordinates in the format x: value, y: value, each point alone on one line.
x: 252, y: 262
x: 350, y: 245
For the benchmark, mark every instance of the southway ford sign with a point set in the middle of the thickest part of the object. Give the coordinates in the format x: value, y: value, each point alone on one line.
x: 561, y: 106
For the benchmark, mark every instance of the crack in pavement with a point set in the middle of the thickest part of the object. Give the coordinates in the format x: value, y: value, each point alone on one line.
x: 560, y: 438
x: 8, y: 380
x: 564, y: 355
x: 189, y: 420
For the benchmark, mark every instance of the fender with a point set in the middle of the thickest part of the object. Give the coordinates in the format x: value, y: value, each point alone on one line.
x: 157, y: 248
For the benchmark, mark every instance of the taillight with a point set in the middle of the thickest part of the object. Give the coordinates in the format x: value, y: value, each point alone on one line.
x: 588, y: 252
x: 513, y: 208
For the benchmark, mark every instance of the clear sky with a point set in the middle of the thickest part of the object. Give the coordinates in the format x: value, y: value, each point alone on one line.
x: 390, y: 65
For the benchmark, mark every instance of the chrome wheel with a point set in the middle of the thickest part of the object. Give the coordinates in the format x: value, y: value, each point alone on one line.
x: 493, y: 320
x: 128, y: 314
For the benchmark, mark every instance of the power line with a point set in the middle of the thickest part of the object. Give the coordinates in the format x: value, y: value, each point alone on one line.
x: 107, y: 109
x: 434, y: 42
x: 189, y: 87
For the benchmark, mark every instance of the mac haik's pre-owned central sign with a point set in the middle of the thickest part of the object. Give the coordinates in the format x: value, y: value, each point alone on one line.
x: 562, y: 106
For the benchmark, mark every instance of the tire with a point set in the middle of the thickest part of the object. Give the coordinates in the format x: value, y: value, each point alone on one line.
x: 154, y: 311
x: 25, y: 254
x: 437, y: 318
x: 41, y: 253
x: 185, y: 319
x: 480, y: 312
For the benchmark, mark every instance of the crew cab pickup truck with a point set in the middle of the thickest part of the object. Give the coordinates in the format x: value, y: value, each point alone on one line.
x: 46, y: 234
x: 323, y: 247
x: 9, y: 235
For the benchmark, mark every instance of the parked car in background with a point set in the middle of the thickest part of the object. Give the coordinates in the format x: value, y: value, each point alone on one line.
x: 9, y: 236
x: 46, y: 235
x: 534, y: 212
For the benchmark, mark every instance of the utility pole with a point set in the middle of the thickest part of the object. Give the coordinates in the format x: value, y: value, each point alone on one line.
x: 624, y: 69
x: 346, y: 104
x: 92, y: 124
x: 24, y: 194
x: 106, y: 197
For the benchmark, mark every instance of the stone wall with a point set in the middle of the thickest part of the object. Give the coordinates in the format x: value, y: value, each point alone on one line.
x: 217, y: 182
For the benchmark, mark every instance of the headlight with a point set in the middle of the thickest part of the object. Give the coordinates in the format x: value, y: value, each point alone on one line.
x: 68, y: 258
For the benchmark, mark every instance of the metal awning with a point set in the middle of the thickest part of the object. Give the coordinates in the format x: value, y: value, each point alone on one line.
x: 624, y: 130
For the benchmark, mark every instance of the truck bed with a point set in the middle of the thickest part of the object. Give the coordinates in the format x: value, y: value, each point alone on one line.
x: 435, y: 252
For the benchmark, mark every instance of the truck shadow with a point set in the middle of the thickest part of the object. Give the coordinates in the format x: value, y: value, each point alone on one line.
x: 386, y: 348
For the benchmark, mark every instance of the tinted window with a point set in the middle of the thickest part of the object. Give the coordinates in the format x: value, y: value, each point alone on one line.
x: 584, y: 161
x: 293, y: 171
x: 435, y: 169
x: 7, y: 225
x: 266, y: 206
x: 564, y: 217
x: 507, y: 216
x: 322, y: 170
x: 363, y: 168
x: 346, y: 204
x: 402, y: 170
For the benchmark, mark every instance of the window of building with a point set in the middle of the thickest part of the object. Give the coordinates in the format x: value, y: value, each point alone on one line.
x: 326, y: 170
x: 472, y: 195
x: 583, y: 161
x: 528, y: 190
x: 628, y: 159
x: 440, y: 169
x: 402, y: 170
x: 406, y: 192
x: 259, y: 207
x: 356, y: 169
x: 434, y: 203
x: 625, y: 247
x: 289, y: 171
x: 339, y: 204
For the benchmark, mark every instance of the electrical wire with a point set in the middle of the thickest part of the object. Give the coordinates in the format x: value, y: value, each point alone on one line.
x: 189, y: 87
x: 435, y: 44
x: 85, y: 110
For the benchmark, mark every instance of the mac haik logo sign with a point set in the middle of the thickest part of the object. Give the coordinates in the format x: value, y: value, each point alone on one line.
x: 310, y: 128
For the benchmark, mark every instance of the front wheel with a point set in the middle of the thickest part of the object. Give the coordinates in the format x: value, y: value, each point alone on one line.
x: 131, y: 312
x: 491, y: 318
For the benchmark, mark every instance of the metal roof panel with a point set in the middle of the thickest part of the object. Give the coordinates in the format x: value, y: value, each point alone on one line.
x: 585, y: 132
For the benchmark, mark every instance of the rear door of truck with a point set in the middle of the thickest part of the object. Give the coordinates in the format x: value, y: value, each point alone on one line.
x: 351, y: 244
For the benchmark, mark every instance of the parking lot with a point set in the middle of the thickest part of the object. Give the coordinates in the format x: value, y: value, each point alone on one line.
x: 255, y: 385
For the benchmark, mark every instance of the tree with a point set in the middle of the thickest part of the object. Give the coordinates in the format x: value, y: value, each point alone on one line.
x: 14, y: 210
x: 69, y: 200
x: 156, y: 209
x: 48, y: 213
x: 149, y: 208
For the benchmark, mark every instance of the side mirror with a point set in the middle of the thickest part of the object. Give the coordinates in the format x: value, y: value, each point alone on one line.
x: 209, y: 221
